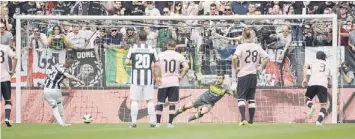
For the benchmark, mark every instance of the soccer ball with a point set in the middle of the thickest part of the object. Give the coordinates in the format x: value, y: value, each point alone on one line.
x: 87, y: 118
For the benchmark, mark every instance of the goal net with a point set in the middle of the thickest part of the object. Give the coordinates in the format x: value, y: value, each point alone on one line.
x: 100, y: 44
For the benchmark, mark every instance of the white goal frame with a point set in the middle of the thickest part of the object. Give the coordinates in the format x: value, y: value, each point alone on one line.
x: 332, y: 17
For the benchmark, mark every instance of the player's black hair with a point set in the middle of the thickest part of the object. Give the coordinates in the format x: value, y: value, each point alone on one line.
x: 321, y: 55
x: 220, y: 74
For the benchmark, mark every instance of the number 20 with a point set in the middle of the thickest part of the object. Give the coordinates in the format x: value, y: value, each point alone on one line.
x: 143, y: 61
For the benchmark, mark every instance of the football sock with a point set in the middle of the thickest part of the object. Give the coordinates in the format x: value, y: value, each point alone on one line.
x: 151, y: 112
x: 171, y: 113
x: 159, y: 110
x: 241, y: 106
x: 134, y: 111
x: 61, y: 111
x: 57, y: 115
x: 309, y: 103
x: 251, y: 111
x: 195, y: 116
x: 7, y: 111
x: 321, y: 115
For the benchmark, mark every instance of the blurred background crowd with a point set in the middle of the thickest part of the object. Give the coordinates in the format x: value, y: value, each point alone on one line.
x: 209, y: 43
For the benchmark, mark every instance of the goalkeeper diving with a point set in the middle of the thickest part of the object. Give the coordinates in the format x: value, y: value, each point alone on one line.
x: 216, y: 90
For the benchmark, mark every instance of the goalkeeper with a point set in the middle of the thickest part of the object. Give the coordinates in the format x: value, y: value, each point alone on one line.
x: 206, y: 101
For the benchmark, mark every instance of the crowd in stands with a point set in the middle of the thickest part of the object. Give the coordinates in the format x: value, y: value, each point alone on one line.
x: 210, y: 37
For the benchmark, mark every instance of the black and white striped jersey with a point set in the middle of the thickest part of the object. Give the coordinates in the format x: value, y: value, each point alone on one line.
x: 142, y: 57
x: 55, y: 77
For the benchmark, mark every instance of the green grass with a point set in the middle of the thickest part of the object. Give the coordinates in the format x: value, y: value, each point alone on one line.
x: 181, y: 131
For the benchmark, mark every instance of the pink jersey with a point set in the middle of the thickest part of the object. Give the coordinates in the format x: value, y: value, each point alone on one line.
x: 320, y: 73
x: 249, y: 55
x: 170, y: 65
x: 5, y: 53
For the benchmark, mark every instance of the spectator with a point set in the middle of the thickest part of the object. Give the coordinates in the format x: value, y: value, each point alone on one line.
x: 137, y: 8
x: 37, y: 39
x: 343, y: 13
x: 117, y: 9
x: 344, y: 32
x: 177, y: 9
x: 165, y: 35
x: 152, y: 36
x: 6, y: 36
x: 62, y: 8
x: 308, y: 35
x: 214, y: 10
x: 351, y: 42
x: 57, y: 40
x: 29, y: 8
x: 114, y: 39
x: 240, y: 7
x: 150, y: 10
x: 78, y: 38
x: 227, y: 10
x: 348, y: 75
x: 129, y: 38
x: 100, y: 44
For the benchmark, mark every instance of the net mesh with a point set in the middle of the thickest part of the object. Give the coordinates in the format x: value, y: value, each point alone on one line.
x: 100, y: 47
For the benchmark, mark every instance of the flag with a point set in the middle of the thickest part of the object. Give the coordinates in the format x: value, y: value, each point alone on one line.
x: 117, y: 73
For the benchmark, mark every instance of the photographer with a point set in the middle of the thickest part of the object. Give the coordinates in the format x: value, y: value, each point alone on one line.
x: 348, y: 75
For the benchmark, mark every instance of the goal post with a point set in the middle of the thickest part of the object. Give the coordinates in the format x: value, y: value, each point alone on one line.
x: 332, y: 18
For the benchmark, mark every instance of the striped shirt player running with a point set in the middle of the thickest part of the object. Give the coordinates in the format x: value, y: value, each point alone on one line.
x: 145, y: 62
x: 169, y: 89
x: 52, y: 88
x: 5, y: 53
x: 249, y: 55
x: 317, y: 85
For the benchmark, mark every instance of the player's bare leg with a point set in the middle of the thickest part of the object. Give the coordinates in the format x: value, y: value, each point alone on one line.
x: 57, y: 115
x: 151, y: 113
x: 322, y: 113
x: 312, y: 108
x: 183, y: 108
x: 203, y: 111
x: 251, y: 106
x: 8, y: 112
x: 241, y: 106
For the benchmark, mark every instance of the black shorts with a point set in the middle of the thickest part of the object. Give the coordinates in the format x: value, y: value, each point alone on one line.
x: 318, y: 90
x: 172, y: 93
x: 246, y: 87
x: 6, y: 90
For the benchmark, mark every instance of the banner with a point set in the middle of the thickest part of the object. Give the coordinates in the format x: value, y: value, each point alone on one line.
x: 43, y: 62
x: 86, y: 68
x: 113, y: 106
x: 25, y: 62
x: 117, y: 73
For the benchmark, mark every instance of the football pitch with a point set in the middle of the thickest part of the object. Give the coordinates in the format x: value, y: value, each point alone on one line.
x: 181, y: 131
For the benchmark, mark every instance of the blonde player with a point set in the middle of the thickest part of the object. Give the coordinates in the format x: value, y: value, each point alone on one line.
x: 5, y: 53
x: 317, y: 85
x: 169, y: 89
x: 249, y: 55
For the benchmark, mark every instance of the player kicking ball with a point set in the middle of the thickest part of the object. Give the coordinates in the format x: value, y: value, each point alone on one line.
x: 169, y: 88
x: 207, y: 100
x: 317, y: 85
x: 249, y: 54
x: 52, y: 89
x: 5, y: 53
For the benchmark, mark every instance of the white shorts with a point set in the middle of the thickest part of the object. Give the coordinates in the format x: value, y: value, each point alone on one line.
x: 137, y: 91
x: 53, y: 96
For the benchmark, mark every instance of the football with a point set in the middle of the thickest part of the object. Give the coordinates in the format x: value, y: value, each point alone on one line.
x: 87, y: 118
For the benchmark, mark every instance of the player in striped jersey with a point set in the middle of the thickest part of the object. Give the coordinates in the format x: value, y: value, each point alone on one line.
x: 317, y: 85
x: 169, y: 89
x: 5, y: 53
x: 144, y: 62
x: 249, y: 55
x: 52, y: 89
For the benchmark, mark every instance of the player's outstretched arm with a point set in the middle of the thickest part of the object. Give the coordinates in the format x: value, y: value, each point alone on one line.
x: 184, y: 71
x: 305, y: 68
x: 73, y: 78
